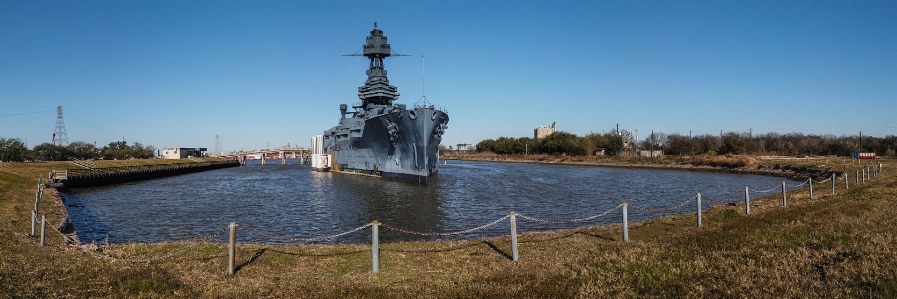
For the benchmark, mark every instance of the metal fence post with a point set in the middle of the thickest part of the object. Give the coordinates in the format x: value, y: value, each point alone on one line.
x: 784, y: 197
x: 747, y: 201
x: 43, y: 229
x: 33, y: 222
x: 625, y: 224
x: 514, y: 252
x: 846, y: 182
x: 375, y: 247
x: 232, y: 248
x: 833, y: 183
x: 811, y: 188
x: 699, y: 209
x: 36, y: 202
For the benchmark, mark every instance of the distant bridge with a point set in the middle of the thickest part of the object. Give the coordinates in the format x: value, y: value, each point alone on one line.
x: 281, y: 154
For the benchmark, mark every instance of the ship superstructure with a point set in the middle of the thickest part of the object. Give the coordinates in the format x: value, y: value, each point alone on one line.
x: 380, y: 138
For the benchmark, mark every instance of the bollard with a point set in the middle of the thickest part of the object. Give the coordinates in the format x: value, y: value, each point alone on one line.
x: 747, y: 202
x: 375, y: 247
x: 625, y: 224
x: 864, y: 175
x: 784, y: 198
x: 699, y: 209
x: 833, y: 183
x: 43, y: 229
x: 811, y: 188
x: 846, y: 182
x: 514, y: 252
x: 33, y: 222
x: 232, y: 248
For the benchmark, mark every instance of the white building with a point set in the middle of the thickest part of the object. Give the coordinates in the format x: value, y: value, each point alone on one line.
x: 182, y: 152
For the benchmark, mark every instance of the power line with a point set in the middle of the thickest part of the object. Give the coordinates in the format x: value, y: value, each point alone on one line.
x: 27, y: 113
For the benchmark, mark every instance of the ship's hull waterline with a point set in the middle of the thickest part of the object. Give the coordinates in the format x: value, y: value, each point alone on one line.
x: 413, y: 155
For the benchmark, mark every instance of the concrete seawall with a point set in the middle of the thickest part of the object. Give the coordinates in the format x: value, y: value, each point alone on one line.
x: 109, y: 176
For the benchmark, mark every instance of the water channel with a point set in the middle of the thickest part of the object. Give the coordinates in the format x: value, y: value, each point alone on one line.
x: 294, y: 201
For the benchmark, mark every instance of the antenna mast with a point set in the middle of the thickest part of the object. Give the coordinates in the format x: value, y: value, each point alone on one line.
x: 423, y: 75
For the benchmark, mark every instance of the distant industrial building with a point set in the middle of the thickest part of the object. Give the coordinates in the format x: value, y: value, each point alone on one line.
x: 627, y: 149
x: 544, y: 131
x: 650, y: 153
x: 183, y: 152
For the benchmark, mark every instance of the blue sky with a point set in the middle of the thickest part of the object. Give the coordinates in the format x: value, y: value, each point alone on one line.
x: 176, y: 73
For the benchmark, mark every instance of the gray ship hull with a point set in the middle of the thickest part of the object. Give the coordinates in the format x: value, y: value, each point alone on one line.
x: 399, y: 144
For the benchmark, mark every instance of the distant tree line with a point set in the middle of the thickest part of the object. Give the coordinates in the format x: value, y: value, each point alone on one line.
x: 677, y: 144
x: 14, y: 150
x: 554, y: 144
x: 779, y: 144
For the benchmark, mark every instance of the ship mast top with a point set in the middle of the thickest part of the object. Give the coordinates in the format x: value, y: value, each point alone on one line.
x: 376, y: 89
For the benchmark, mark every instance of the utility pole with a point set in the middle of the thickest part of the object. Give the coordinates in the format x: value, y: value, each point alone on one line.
x: 690, y: 146
x: 751, y: 140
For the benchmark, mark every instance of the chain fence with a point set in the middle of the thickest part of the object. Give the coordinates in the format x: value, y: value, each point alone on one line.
x: 779, y: 187
x: 374, y: 225
x: 658, y: 210
x: 555, y: 221
x: 804, y: 183
x: 308, y: 239
x: 445, y: 233
x: 729, y: 199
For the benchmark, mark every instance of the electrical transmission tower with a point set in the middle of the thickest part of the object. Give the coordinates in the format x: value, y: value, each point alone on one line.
x: 59, y: 134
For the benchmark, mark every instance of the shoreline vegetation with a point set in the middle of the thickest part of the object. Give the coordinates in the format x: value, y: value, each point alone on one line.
x: 835, y: 245
x: 817, y: 168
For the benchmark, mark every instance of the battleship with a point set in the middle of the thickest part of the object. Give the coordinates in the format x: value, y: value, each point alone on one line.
x: 379, y: 137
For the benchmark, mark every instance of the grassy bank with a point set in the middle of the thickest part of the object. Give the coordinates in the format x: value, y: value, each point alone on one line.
x: 834, y: 246
x: 797, y: 168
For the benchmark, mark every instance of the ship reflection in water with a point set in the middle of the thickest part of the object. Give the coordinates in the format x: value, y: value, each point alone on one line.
x: 292, y: 201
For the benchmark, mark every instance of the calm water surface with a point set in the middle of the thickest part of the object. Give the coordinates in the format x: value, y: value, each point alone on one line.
x: 294, y: 201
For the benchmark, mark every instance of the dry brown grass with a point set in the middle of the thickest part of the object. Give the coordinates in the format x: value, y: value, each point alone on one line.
x: 727, y: 161
x: 838, y: 245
